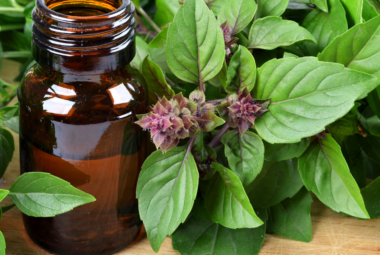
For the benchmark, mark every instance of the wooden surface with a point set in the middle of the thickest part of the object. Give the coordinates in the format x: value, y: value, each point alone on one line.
x: 332, y: 233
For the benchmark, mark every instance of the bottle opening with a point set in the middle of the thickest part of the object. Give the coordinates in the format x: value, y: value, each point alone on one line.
x: 83, y: 8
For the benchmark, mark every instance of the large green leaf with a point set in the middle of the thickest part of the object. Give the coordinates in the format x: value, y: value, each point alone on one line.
x: 325, y: 26
x: 141, y: 52
x: 154, y: 76
x: 325, y: 172
x: 277, y: 181
x: 291, y: 218
x: 215, y: 5
x: 354, y: 11
x: 357, y: 49
x: 245, y: 154
x: 280, y: 152
x: 271, y: 8
x: 7, y: 147
x: 200, y: 236
x: 40, y: 194
x: 3, y: 194
x: 195, y: 46
x: 9, y: 117
x: 237, y: 13
x: 306, y: 95
x: 227, y: 202
x: 272, y: 32
x: 352, y: 152
x: 157, y: 52
x: 166, y: 190
x: 2, y: 244
x: 166, y: 10
x: 372, y: 199
x: 241, y: 73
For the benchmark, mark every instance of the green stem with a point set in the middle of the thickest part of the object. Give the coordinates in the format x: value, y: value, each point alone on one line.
x: 7, y: 207
x: 218, y: 136
x: 11, y: 27
x: 11, y: 10
x: 17, y: 54
x: 150, y: 21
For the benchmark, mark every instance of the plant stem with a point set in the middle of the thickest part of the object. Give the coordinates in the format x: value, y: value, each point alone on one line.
x: 192, y: 141
x: 217, y: 138
x: 17, y: 54
x: 9, y: 10
x: 11, y: 27
x: 142, y: 29
x: 7, y: 207
x: 150, y: 21
x: 171, y: 83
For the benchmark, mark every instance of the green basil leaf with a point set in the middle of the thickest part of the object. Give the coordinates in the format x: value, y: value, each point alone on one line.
x: 245, y: 154
x: 291, y: 218
x: 271, y: 8
x: 306, y: 95
x: 156, y: 50
x: 272, y: 32
x: 154, y: 76
x: 7, y: 147
x: 325, y: 26
x: 373, y: 99
x: 2, y: 244
x: 325, y: 172
x: 357, y: 49
x: 354, y: 11
x: 369, y: 10
x: 3, y: 194
x: 40, y: 194
x: 346, y: 126
x: 166, y: 191
x: 215, y: 5
x: 280, y: 152
x: 195, y: 48
x: 371, y: 146
x: 372, y: 199
x: 238, y: 14
x: 375, y: 4
x: 136, y: 3
x: 221, y: 78
x: 290, y: 55
x: 166, y: 10
x: 141, y: 52
x: 353, y: 154
x: 227, y: 202
x: 7, y: 208
x: 9, y: 117
x: 277, y: 181
x: 241, y: 73
x: 372, y: 125
x: 200, y: 236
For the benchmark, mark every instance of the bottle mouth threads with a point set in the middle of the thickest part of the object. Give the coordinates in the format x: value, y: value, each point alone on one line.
x: 99, y: 32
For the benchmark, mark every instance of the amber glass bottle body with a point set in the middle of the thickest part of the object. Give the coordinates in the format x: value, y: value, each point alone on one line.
x: 78, y: 106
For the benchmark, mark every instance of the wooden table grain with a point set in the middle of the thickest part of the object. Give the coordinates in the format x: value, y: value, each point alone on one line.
x: 333, y: 233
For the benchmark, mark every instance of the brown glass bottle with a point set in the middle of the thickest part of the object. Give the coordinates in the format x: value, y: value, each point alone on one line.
x: 78, y: 106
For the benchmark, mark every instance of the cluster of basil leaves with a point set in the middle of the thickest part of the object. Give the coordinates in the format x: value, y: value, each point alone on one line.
x: 319, y: 63
x: 35, y: 194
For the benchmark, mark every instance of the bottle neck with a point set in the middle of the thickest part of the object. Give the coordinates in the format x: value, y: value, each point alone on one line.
x: 98, y: 39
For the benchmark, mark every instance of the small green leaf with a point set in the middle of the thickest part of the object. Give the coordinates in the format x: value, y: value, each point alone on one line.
x: 241, y: 73
x: 40, y: 194
x: 352, y: 152
x: 227, y: 202
x: 215, y: 5
x: 238, y: 14
x: 291, y: 218
x: 200, y: 236
x: 372, y: 199
x: 357, y: 49
x: 141, y: 52
x: 289, y: 55
x: 2, y: 244
x: 272, y: 32
x: 156, y: 50
x: 7, y: 207
x: 166, y: 10
x: 375, y: 4
x: 325, y: 26
x: 271, y: 8
x: 166, y: 190
x: 7, y: 147
x: 280, y: 152
x: 325, y: 172
x: 306, y: 96
x: 369, y: 10
x: 277, y: 181
x: 354, y: 11
x: 245, y: 154
x: 195, y: 48
x: 3, y: 194
x: 154, y: 76
x: 209, y: 121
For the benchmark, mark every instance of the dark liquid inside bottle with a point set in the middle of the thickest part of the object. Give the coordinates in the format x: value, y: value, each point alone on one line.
x: 78, y: 106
